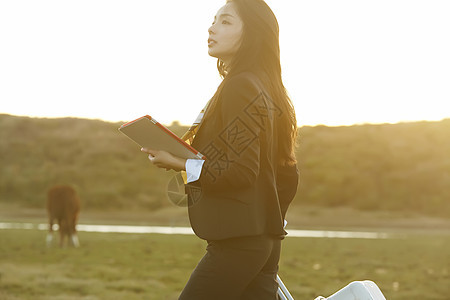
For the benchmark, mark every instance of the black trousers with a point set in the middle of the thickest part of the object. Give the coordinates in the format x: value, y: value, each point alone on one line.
x: 237, y: 268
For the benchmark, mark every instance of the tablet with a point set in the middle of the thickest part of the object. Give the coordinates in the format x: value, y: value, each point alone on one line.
x: 150, y: 134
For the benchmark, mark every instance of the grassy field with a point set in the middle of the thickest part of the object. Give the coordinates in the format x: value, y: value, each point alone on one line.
x: 153, y: 266
x: 397, y: 185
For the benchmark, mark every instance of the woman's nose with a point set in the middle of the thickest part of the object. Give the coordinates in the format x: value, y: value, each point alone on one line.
x: 211, y: 29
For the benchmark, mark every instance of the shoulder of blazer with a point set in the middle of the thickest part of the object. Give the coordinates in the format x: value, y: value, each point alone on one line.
x: 244, y: 80
x: 239, y: 90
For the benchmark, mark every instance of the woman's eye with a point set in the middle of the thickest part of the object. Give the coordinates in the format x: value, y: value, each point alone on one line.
x: 225, y: 22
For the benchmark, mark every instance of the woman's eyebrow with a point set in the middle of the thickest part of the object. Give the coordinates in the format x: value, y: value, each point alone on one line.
x: 226, y: 15
x: 223, y: 15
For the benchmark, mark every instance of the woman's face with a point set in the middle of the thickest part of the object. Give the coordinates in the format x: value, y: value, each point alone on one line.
x: 225, y: 34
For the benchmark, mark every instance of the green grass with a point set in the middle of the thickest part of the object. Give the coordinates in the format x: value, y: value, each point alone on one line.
x: 138, y: 266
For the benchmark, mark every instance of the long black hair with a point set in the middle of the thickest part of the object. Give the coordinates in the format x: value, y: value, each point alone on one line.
x: 259, y: 53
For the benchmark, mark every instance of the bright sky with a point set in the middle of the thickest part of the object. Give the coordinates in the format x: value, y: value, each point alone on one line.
x: 344, y: 62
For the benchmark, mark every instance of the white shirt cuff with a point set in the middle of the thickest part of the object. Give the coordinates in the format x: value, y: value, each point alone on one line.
x: 193, y: 169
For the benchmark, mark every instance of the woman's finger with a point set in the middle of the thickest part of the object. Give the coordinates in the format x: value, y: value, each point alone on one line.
x: 149, y: 151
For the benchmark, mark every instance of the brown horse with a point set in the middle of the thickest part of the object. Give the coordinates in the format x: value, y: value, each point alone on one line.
x: 63, y: 205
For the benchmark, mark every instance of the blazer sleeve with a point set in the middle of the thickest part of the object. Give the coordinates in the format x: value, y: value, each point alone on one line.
x: 287, y: 183
x: 233, y: 153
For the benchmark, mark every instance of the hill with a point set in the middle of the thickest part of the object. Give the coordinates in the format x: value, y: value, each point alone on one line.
x: 402, y: 166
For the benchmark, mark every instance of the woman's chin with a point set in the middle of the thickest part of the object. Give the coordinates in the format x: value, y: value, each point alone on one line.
x: 211, y: 53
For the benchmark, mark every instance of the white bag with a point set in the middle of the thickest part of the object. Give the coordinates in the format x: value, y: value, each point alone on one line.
x: 357, y: 290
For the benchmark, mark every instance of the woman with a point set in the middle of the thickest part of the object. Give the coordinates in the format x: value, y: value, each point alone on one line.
x: 240, y: 194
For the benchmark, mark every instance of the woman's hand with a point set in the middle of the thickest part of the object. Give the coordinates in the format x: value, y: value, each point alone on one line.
x: 163, y: 159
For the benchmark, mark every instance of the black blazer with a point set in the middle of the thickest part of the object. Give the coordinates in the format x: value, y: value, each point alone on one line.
x: 243, y: 190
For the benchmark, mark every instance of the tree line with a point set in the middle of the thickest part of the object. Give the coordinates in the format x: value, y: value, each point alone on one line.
x: 404, y: 166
